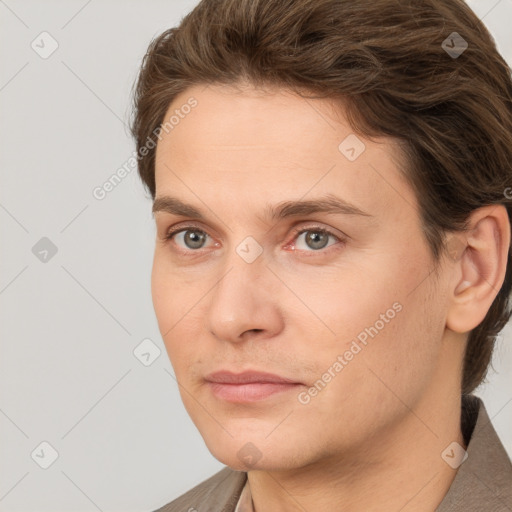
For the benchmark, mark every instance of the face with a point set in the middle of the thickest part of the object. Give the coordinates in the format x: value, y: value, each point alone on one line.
x: 291, y: 328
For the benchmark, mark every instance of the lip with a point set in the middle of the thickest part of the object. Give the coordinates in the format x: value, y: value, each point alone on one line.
x: 248, y: 386
x: 247, y: 377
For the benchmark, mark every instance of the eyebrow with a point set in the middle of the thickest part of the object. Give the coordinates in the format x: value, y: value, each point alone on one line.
x: 326, y: 204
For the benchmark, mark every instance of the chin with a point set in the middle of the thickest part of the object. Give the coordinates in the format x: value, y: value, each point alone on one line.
x: 244, y: 455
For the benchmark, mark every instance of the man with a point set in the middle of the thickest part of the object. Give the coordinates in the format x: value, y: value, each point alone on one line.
x: 332, y: 261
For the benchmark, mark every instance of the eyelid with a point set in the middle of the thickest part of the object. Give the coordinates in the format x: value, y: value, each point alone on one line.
x: 174, y: 230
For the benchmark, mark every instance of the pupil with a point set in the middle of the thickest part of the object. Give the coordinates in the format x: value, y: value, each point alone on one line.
x: 315, y: 236
x: 194, y: 238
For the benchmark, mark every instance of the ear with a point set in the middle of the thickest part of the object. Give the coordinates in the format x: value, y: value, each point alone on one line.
x: 480, y: 258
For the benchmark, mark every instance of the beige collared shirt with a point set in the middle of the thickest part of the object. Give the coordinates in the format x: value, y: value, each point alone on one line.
x: 483, y: 482
x: 245, y: 503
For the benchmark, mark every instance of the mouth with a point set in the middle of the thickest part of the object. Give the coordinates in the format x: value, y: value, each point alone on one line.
x: 249, y: 386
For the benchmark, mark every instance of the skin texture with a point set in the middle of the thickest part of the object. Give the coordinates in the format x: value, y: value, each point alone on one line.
x: 372, y: 438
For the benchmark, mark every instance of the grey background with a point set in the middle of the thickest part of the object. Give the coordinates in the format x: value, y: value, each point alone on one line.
x: 70, y: 323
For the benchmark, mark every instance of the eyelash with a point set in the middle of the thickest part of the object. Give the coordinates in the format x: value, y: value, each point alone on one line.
x: 296, y: 233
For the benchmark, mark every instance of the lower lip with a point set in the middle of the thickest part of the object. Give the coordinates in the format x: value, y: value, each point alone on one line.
x: 249, y: 392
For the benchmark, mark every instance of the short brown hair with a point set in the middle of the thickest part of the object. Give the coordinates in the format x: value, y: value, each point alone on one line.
x: 386, y: 61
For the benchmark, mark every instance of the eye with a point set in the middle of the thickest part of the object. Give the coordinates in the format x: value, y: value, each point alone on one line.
x: 192, y: 238
x: 188, y: 237
x: 316, y: 238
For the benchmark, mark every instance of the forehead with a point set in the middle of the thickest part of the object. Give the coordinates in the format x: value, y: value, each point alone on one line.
x: 274, y: 123
x: 273, y: 145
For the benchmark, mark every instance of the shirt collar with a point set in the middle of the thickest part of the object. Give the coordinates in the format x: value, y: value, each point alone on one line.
x: 245, y: 503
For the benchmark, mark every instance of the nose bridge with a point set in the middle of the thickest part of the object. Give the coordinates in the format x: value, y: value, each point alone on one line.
x: 242, y: 297
x: 245, y: 267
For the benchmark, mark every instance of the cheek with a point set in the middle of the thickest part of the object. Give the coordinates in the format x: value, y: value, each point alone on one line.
x: 173, y: 303
x: 392, y: 368
x: 174, y: 292
x: 381, y: 316
x: 348, y: 302
x: 164, y: 300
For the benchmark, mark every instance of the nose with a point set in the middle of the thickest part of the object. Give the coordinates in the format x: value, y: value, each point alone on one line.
x: 244, y: 304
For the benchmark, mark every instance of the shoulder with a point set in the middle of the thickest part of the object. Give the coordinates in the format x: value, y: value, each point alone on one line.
x: 484, y: 478
x: 219, y: 493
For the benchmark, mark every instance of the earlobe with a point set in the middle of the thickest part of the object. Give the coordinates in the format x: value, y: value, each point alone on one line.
x: 481, y: 268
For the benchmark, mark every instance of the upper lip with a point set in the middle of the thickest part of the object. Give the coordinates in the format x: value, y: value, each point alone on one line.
x: 247, y: 377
